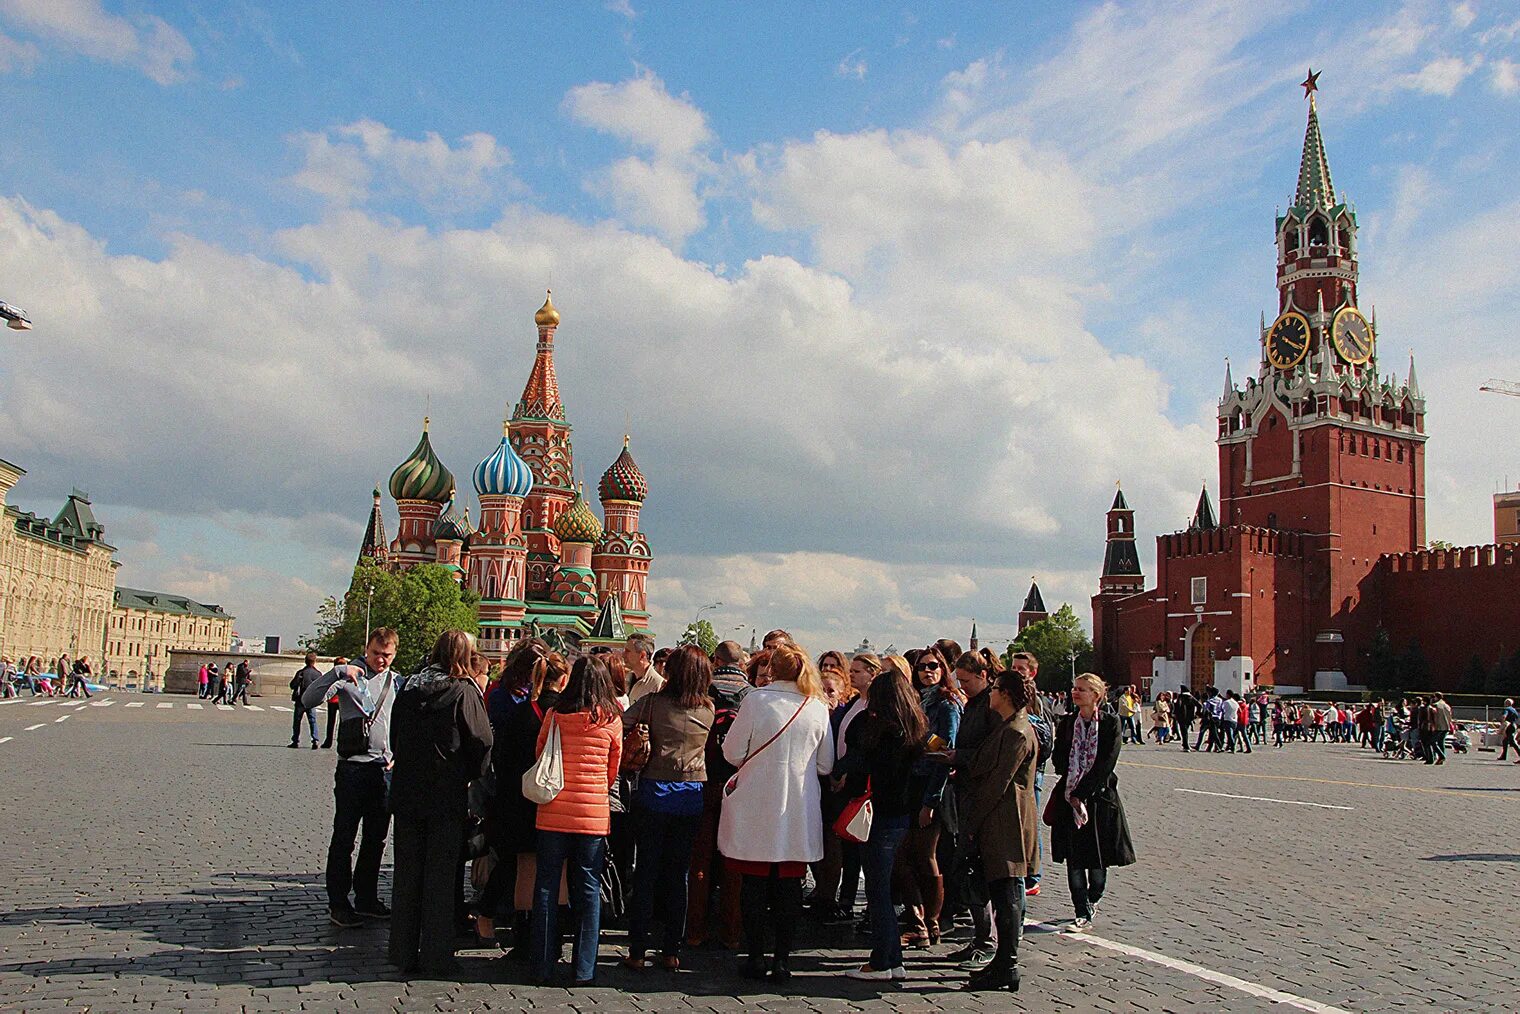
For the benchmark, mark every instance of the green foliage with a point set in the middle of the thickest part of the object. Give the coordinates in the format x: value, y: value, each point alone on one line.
x: 1382, y: 663
x: 419, y: 603
x: 701, y: 634
x: 1438, y: 544
x: 1053, y: 641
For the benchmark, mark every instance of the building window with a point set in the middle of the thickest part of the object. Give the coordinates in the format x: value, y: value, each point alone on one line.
x: 1200, y: 591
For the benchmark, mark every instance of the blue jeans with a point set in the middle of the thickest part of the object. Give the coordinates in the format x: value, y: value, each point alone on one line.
x: 1033, y: 880
x: 877, y: 857
x: 585, y: 853
x: 663, y: 845
x: 295, y: 725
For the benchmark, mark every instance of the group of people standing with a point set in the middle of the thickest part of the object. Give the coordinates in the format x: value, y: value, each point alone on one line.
x: 60, y: 676
x: 714, y: 786
x: 225, y: 684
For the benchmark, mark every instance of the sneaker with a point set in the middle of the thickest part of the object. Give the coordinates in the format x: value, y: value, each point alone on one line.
x: 344, y: 917
x: 840, y: 916
x: 899, y: 973
x: 376, y: 909
x: 976, y: 961
x: 1079, y: 926
x: 313, y: 744
x: 964, y: 953
x: 1032, y: 891
x: 868, y: 974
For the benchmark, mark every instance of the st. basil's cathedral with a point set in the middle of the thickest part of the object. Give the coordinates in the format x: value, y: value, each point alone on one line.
x: 538, y: 556
x: 1319, y: 541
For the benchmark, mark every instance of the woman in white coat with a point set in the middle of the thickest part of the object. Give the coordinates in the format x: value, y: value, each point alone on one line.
x: 772, y: 823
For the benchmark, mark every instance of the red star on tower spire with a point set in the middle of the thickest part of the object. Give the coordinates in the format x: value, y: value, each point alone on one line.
x: 1310, y: 85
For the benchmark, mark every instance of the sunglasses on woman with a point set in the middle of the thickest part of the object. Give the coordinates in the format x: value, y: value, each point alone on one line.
x: 929, y: 667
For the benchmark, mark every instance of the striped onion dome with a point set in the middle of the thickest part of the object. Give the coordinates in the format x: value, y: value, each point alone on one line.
x: 452, y: 524
x: 579, y: 523
x: 623, y: 481
x: 422, y: 476
x: 503, y: 473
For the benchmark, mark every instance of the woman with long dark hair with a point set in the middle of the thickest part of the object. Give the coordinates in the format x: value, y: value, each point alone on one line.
x: 999, y: 814
x: 441, y: 739
x: 667, y: 806
x: 883, y: 745
x: 1088, y: 831
x: 921, y: 884
x: 573, y: 826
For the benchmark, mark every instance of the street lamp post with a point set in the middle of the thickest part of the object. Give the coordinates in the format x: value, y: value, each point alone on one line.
x: 697, y: 618
x: 15, y: 318
x: 369, y: 601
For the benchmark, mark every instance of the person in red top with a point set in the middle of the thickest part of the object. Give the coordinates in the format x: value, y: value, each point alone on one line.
x: 574, y: 824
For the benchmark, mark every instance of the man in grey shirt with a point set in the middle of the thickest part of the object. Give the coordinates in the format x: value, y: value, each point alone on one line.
x: 361, y: 784
x: 299, y: 683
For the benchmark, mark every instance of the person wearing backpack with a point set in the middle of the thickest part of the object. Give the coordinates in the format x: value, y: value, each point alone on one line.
x: 441, y: 739
x: 361, y: 782
x: 667, y: 805
x: 728, y: 690
x: 573, y: 826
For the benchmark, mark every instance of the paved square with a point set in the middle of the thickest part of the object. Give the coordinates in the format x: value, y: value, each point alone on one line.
x: 171, y: 858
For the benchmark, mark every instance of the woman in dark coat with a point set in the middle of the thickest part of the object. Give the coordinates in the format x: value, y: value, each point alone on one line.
x: 441, y: 740
x: 1088, y: 831
x: 998, y: 813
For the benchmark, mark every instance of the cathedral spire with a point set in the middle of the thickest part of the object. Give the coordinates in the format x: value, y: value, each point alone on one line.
x: 1414, y: 381
x: 1204, y: 519
x: 1315, y: 189
x: 540, y: 398
x: 1229, y: 380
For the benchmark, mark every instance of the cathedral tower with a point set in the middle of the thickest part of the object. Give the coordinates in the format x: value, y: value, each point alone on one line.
x: 421, y: 486
x: 498, y: 550
x: 541, y: 437
x: 621, y: 558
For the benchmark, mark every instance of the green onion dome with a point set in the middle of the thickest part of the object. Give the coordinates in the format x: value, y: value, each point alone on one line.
x: 623, y: 481
x: 422, y: 476
x: 579, y: 523
x: 451, y: 524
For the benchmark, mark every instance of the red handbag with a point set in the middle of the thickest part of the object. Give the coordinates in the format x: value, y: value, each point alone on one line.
x: 854, y: 822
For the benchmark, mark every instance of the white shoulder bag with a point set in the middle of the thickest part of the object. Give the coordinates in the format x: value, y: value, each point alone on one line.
x: 544, y: 780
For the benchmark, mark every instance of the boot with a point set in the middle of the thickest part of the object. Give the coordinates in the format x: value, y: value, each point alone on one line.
x: 1001, y: 974
x: 522, y: 937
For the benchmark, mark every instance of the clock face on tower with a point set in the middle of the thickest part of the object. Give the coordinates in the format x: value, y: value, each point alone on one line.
x: 1352, y: 336
x: 1288, y: 341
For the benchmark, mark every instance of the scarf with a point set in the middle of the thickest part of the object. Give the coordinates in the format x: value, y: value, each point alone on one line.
x: 1084, y: 752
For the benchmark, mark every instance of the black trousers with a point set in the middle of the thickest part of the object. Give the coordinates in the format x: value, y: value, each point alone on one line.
x: 361, y: 790
x: 422, y: 892
x: 771, y: 903
x: 967, y: 875
x: 1184, y: 728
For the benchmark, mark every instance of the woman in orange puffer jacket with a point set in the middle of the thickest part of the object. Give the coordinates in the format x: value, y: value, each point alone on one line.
x: 573, y: 826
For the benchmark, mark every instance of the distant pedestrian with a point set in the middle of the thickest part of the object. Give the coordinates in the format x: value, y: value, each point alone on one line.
x: 1088, y: 831
x: 203, y: 680
x: 1184, y: 712
x: 241, y: 677
x: 299, y: 684
x: 218, y: 684
x: 1509, y: 732
x: 361, y: 783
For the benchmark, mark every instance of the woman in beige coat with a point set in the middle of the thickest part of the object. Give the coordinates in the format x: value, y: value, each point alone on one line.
x: 998, y: 811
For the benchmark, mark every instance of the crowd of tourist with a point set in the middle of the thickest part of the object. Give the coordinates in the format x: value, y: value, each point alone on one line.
x: 699, y: 795
x: 60, y: 676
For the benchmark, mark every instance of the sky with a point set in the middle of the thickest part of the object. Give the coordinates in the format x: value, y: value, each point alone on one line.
x: 889, y: 296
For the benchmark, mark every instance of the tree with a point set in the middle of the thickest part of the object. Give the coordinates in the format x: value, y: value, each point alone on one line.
x: 1052, y: 642
x: 419, y: 603
x: 1382, y: 663
x: 1438, y: 544
x: 701, y: 634
x: 1475, y: 680
x: 1414, y: 669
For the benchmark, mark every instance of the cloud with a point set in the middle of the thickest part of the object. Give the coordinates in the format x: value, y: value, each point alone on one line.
x: 662, y: 191
x: 366, y: 160
x: 145, y: 42
x: 17, y: 57
x: 852, y: 64
x: 1505, y: 77
x: 622, y: 8
x: 1442, y: 76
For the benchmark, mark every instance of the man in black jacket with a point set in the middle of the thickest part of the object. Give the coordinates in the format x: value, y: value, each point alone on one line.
x: 304, y: 678
x: 1185, y: 711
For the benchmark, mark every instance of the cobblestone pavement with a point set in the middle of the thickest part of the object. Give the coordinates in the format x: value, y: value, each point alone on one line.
x: 171, y: 858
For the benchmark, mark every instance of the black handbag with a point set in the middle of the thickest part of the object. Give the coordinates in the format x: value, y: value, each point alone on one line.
x: 353, y: 733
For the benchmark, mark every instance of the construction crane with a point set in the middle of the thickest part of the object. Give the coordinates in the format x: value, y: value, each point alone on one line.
x: 1508, y: 387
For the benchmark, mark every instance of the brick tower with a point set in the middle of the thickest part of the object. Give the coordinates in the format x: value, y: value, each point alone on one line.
x: 541, y: 437
x: 1034, y: 607
x: 621, y: 558
x: 421, y: 486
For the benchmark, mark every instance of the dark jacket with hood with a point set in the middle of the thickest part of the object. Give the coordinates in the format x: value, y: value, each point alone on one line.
x: 441, y: 741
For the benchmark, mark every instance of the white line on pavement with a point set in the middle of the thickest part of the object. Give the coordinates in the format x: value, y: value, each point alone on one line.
x: 279, y: 707
x: 1265, y: 799
x: 135, y: 704
x: 224, y: 707
x: 6, y: 739
x: 38, y: 704
x: 193, y: 706
x: 65, y: 718
x: 101, y: 704
x: 163, y: 705
x: 1207, y: 974
x: 253, y: 707
x: 29, y: 728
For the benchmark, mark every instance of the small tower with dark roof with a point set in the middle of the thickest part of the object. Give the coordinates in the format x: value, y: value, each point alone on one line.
x: 373, y: 547
x: 1034, y: 607
x: 1121, y: 558
x: 1204, y: 519
x: 422, y: 486
x: 622, y: 556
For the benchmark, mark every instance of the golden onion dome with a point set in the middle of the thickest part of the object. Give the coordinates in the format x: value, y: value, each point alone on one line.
x: 547, y: 315
x: 578, y: 524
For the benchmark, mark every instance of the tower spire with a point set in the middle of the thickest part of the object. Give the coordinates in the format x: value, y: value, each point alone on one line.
x: 1315, y: 190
